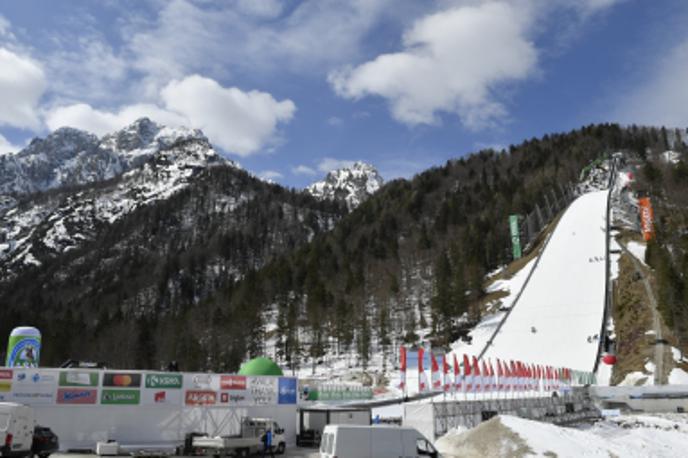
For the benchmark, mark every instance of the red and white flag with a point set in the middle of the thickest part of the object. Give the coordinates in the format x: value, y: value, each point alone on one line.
x: 402, y: 368
x: 500, y: 376
x: 467, y: 375
x: 457, y: 375
x: 477, y: 378
x: 435, y: 374
x: 422, y: 378
x: 445, y: 374
x: 493, y: 376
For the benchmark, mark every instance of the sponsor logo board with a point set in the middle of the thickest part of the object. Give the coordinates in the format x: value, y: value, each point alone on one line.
x: 34, y: 386
x: 78, y: 378
x: 200, y: 398
x: 5, y: 380
x: 121, y: 380
x: 287, y: 390
x: 120, y: 397
x: 232, y: 382
x: 77, y: 396
x: 263, y: 390
x: 163, y: 381
x: 161, y: 397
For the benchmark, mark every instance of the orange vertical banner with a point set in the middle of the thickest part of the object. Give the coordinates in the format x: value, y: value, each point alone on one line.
x: 647, y: 218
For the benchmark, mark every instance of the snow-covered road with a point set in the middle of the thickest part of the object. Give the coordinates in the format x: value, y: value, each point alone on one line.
x: 559, y: 315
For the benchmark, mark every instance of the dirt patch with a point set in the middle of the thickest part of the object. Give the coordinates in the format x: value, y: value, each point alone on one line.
x: 488, y: 439
x: 632, y: 320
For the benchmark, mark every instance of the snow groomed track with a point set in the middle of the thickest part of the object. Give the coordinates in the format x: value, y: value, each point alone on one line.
x: 557, y: 318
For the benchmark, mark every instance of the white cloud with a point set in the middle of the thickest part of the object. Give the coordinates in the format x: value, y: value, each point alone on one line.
x: 662, y: 99
x: 237, y: 121
x: 22, y: 83
x: 7, y: 147
x: 327, y: 164
x: 100, y: 122
x: 335, y: 121
x: 270, y: 175
x: 443, y: 69
x: 193, y: 37
x: 4, y: 26
x: 303, y: 170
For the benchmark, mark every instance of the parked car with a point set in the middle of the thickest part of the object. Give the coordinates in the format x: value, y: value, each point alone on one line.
x: 45, y: 442
x: 374, y: 442
x: 16, y: 429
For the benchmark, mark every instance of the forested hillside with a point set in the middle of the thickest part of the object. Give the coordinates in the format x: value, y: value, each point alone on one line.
x: 189, y: 279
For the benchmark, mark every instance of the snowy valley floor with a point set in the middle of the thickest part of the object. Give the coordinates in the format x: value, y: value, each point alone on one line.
x: 664, y: 435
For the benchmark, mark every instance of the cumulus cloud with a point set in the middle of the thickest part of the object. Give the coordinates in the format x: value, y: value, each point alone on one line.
x: 22, y: 83
x: 327, y: 164
x: 303, y: 170
x: 237, y: 121
x: 662, y: 99
x: 442, y: 69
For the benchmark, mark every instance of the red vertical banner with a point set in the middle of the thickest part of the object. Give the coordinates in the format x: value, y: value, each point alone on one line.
x: 647, y: 218
x: 445, y: 374
x: 457, y: 375
x: 477, y: 378
x: 402, y: 368
x: 435, y: 373
x: 467, y: 373
x: 422, y: 378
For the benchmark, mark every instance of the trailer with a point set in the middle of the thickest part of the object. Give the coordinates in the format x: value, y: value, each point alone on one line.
x: 249, y: 441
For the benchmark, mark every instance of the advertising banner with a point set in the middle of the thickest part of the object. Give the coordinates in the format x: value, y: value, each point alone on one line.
x: 287, y: 390
x: 200, y: 398
x: 121, y: 380
x: 163, y: 380
x: 515, y: 236
x: 77, y: 396
x: 78, y: 378
x: 646, y: 218
x: 33, y: 386
x: 233, y: 382
x: 169, y: 397
x: 5, y: 380
x: 207, y: 382
x: 24, y: 347
x: 263, y: 390
x: 120, y: 397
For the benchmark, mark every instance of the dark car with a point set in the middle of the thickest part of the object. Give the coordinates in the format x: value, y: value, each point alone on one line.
x: 45, y: 442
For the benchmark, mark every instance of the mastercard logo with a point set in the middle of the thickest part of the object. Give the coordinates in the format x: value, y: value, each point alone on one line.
x: 122, y: 380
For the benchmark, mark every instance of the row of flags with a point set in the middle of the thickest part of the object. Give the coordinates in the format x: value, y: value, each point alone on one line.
x: 474, y: 376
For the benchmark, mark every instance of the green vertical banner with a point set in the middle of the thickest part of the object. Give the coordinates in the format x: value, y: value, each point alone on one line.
x: 515, y: 236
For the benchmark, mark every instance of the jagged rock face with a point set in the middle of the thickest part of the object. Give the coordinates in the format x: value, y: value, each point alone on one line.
x: 70, y: 157
x: 352, y: 184
x: 143, y: 162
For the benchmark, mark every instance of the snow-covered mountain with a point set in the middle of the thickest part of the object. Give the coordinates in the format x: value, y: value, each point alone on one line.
x: 351, y: 184
x: 141, y: 163
x: 70, y: 157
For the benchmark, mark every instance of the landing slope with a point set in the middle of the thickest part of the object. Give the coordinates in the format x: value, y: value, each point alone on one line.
x: 559, y: 315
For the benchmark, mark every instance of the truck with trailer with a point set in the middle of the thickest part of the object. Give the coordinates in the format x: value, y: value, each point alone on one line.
x: 247, y: 442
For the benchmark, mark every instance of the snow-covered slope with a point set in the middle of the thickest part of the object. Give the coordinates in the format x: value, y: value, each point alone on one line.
x: 351, y: 184
x: 560, y: 312
x: 161, y: 162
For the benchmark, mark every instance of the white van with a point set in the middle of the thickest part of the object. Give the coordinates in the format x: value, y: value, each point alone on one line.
x: 351, y: 441
x: 16, y: 429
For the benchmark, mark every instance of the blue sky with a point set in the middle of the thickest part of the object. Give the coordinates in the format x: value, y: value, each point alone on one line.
x: 291, y: 89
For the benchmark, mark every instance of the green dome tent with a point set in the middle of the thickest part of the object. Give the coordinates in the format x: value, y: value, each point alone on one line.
x: 260, y: 366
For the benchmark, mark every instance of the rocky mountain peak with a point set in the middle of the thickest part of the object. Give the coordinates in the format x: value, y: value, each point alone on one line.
x: 352, y: 184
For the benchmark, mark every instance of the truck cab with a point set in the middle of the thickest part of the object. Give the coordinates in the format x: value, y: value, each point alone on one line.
x: 256, y: 427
